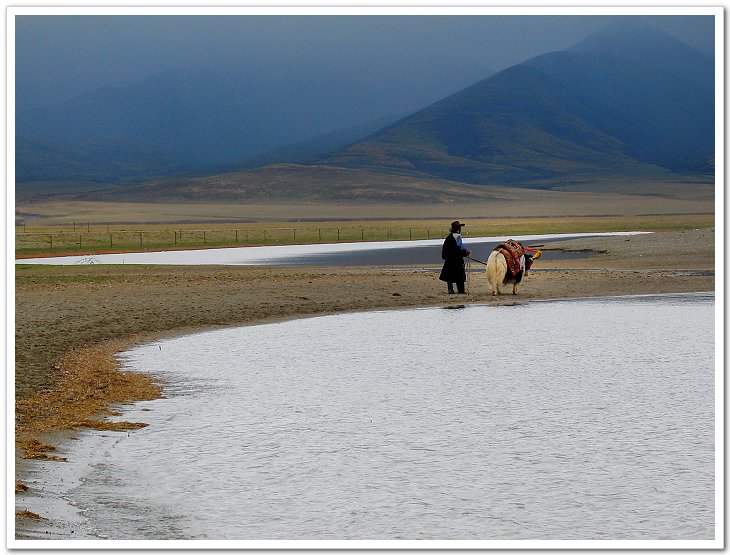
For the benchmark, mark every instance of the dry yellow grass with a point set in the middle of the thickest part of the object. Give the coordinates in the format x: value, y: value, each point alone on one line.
x: 90, y: 383
x: 34, y: 449
x: 29, y: 514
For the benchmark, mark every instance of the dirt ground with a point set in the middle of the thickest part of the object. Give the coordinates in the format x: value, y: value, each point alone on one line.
x: 63, y: 312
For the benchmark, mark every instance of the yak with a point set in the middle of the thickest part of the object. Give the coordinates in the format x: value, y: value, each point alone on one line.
x: 509, y: 262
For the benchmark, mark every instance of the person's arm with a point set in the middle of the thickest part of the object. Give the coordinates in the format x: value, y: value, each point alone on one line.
x: 460, y: 244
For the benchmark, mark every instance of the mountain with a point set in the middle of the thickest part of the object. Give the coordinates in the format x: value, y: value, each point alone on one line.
x: 315, y: 146
x: 631, y: 100
x: 183, y: 119
x: 627, y: 109
x: 103, y: 161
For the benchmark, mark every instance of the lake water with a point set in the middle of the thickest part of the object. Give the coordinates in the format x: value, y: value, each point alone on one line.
x: 558, y: 420
x: 344, y: 254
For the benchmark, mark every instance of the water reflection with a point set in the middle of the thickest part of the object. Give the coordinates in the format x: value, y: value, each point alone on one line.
x: 587, y: 420
x: 344, y: 254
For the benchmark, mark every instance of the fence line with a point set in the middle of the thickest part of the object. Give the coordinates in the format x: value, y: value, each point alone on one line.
x: 84, y: 239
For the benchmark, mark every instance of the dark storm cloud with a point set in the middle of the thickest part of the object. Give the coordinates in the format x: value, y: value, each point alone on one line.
x: 58, y: 57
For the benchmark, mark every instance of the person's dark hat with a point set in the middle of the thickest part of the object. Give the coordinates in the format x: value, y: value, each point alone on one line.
x: 456, y: 226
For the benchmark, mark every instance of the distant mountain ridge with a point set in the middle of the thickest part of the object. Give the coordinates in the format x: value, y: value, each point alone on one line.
x: 630, y: 104
x: 179, y: 120
x: 625, y: 101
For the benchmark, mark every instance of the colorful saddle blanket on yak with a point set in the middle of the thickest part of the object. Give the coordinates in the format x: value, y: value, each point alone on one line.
x: 514, y: 255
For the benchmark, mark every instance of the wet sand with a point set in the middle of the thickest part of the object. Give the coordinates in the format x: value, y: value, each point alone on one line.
x: 63, y: 310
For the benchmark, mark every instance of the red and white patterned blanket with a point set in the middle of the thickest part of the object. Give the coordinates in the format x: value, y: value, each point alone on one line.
x: 513, y: 253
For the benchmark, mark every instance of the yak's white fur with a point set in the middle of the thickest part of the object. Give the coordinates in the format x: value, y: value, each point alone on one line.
x: 497, y: 273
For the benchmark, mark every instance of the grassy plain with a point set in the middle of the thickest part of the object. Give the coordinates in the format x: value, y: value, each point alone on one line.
x: 88, y: 239
x: 445, y: 200
x: 50, y: 225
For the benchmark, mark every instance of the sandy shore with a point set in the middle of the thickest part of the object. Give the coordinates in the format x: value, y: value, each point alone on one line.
x: 63, y: 310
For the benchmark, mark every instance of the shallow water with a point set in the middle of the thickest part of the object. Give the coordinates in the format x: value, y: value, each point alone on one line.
x: 362, y: 253
x: 560, y: 420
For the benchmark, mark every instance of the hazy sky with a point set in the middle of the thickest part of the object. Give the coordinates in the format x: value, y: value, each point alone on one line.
x: 60, y: 56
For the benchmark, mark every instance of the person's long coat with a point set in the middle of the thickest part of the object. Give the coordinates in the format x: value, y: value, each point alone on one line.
x: 453, y: 256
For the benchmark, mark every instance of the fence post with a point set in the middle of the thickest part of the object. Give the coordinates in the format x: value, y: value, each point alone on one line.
x: 362, y: 234
x: 79, y: 241
x: 51, y: 238
x: 204, y: 241
x: 295, y: 234
x: 338, y: 234
x: 175, y: 232
x: 111, y: 241
x: 410, y: 233
x: 140, y: 239
x: 236, y: 236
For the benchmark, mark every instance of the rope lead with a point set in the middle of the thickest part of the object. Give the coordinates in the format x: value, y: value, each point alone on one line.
x: 468, y: 269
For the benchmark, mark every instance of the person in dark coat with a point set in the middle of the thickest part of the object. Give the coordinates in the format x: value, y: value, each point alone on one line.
x: 453, y: 253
